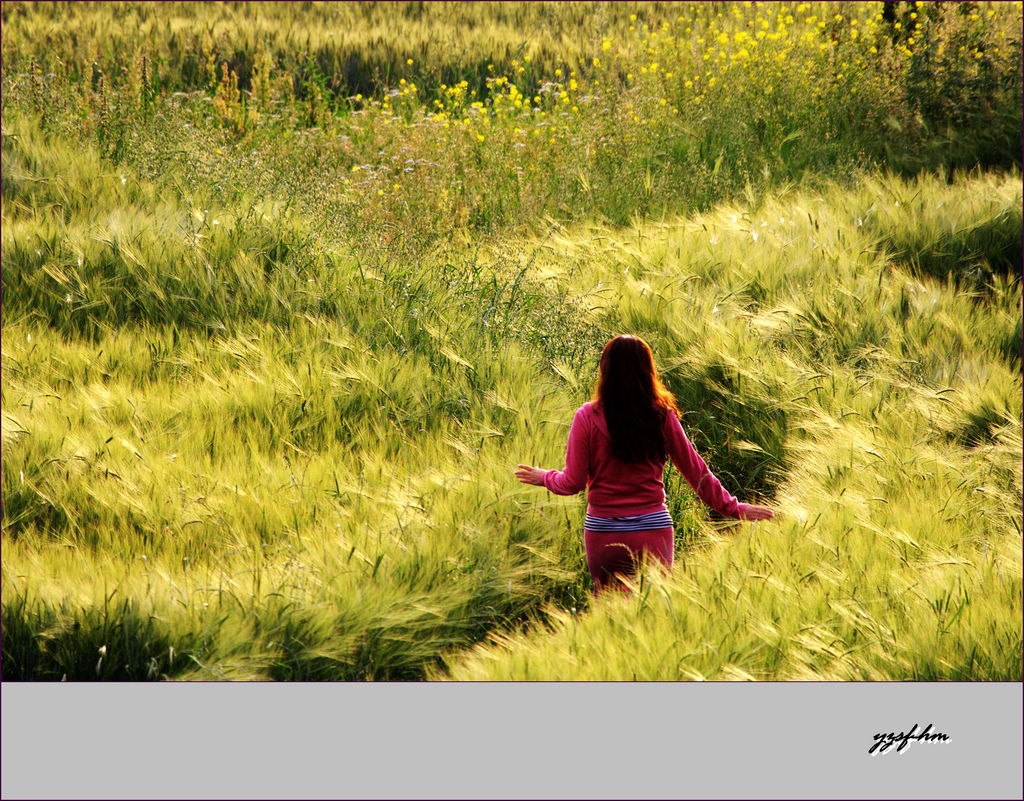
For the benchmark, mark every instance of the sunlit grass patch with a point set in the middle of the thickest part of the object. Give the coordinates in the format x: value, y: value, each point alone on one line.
x: 896, y: 552
x: 274, y: 339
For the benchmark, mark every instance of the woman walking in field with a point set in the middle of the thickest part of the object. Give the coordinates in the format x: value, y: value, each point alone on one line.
x: 618, y: 445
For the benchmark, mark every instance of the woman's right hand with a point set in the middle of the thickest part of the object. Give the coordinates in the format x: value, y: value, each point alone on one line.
x: 531, y: 475
x: 751, y: 511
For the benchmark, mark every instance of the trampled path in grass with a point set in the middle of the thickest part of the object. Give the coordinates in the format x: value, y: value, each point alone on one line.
x: 815, y: 352
x: 233, y: 450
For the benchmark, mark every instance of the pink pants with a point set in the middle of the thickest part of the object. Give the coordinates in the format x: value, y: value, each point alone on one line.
x: 611, y: 553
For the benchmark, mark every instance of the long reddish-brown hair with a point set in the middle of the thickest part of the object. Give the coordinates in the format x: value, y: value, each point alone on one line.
x: 633, y: 400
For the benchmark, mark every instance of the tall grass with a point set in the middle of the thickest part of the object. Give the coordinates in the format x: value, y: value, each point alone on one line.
x: 325, y: 492
x: 639, y: 110
x: 338, y: 49
x: 182, y: 434
x: 893, y: 425
x: 271, y: 349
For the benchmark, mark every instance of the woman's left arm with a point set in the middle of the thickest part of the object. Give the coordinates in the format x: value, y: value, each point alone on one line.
x: 707, y: 486
x: 574, y: 478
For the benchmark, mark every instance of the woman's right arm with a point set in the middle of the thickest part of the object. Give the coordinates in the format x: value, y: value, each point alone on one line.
x: 573, y: 478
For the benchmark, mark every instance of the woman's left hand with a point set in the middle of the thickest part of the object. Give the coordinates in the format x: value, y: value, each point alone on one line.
x: 751, y: 511
x: 531, y: 475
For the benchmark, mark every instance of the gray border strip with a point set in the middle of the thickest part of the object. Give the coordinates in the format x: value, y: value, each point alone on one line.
x: 540, y: 740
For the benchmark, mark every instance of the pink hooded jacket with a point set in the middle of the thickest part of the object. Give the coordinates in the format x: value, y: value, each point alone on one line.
x: 620, y: 489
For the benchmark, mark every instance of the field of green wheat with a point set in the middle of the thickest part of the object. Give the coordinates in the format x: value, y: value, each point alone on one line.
x: 290, y: 289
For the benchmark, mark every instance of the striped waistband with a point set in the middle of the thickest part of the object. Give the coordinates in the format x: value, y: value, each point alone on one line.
x: 654, y: 520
